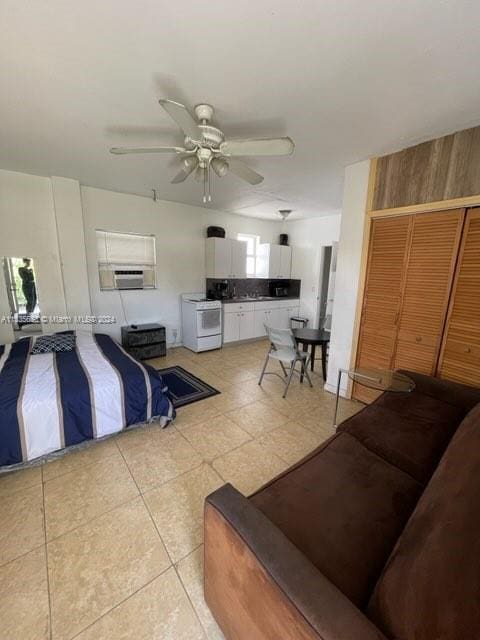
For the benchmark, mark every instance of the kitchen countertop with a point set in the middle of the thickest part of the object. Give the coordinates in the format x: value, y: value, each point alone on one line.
x: 259, y: 299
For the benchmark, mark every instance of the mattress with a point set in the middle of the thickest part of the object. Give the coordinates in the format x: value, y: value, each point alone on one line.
x: 50, y: 401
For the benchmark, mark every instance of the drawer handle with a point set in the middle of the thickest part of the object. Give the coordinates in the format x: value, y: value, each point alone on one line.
x: 467, y: 350
x: 418, y: 339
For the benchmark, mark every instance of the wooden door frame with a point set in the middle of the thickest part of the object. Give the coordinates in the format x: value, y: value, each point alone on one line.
x: 371, y: 214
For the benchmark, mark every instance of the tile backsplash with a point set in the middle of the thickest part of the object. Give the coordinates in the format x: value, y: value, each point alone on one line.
x: 254, y: 287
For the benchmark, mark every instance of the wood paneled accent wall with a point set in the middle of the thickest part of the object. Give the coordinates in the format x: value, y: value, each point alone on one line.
x: 443, y: 169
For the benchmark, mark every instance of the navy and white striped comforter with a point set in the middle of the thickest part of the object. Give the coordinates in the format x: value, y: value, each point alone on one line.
x: 55, y: 400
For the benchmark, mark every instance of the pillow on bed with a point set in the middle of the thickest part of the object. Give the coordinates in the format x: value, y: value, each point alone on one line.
x: 51, y: 344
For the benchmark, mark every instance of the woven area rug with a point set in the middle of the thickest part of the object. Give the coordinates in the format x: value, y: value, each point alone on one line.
x: 184, y: 387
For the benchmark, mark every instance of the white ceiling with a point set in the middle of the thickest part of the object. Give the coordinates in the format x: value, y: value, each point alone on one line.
x: 346, y: 79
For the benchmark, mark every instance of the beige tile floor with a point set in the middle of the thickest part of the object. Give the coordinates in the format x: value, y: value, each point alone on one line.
x: 106, y: 542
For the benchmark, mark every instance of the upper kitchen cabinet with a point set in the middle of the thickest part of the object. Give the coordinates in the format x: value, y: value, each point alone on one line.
x: 274, y: 261
x: 238, y: 258
x: 226, y: 258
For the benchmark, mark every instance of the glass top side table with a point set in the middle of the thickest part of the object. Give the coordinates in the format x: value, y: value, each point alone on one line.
x: 379, y: 379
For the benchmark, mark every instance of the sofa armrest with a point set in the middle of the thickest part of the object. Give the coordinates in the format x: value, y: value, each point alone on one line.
x: 259, y: 585
x: 459, y: 395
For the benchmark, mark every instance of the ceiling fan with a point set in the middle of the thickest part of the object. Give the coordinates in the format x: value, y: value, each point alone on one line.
x: 205, y: 148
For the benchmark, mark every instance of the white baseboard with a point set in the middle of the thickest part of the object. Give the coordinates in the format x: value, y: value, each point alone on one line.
x: 333, y: 389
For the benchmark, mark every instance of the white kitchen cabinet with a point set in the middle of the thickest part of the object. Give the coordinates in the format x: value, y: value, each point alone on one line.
x: 226, y: 258
x: 238, y: 322
x: 239, y: 258
x: 285, y: 262
x: 243, y: 321
x: 275, y: 318
x: 260, y: 320
x: 246, y: 325
x: 231, y: 331
x: 274, y: 314
x: 218, y: 254
x: 274, y: 261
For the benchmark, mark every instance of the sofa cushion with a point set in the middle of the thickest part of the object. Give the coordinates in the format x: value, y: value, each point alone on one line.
x: 430, y: 588
x: 412, y: 443
x: 344, y: 508
x: 460, y: 395
x: 416, y: 405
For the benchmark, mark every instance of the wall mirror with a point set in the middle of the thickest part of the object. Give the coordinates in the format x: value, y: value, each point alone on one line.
x: 21, y: 285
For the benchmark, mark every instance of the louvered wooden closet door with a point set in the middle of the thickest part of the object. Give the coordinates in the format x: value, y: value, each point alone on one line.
x: 381, y: 302
x: 460, y: 359
x: 432, y: 255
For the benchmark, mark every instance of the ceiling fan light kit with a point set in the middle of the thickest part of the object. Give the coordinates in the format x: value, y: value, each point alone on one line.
x: 220, y: 166
x: 205, y: 148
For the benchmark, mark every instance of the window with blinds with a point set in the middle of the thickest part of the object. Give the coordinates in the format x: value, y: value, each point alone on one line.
x: 125, y: 260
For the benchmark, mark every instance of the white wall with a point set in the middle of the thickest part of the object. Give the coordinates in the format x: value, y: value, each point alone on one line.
x: 42, y: 218
x: 307, y: 237
x: 180, y: 232
x: 53, y: 220
x: 348, y: 270
x: 71, y: 243
x: 27, y: 228
x: 233, y: 224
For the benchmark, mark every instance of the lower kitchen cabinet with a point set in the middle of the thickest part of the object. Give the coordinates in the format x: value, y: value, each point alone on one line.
x: 274, y: 314
x: 242, y: 321
x: 246, y: 325
x: 270, y: 317
x: 231, y: 329
x: 238, y: 322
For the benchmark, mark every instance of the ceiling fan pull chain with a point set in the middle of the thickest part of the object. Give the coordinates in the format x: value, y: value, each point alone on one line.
x: 209, y: 192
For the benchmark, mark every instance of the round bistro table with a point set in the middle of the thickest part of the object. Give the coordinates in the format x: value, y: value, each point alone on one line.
x: 314, y: 338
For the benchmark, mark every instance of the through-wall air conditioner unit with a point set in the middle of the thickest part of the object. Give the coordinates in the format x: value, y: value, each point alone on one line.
x: 128, y: 278
x: 125, y: 261
x: 121, y: 276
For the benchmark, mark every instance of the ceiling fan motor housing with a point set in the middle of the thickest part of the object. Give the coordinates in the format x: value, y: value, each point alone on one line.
x: 211, y: 135
x: 204, y: 112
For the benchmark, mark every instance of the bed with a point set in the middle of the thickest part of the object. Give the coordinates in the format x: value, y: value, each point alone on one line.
x: 51, y: 401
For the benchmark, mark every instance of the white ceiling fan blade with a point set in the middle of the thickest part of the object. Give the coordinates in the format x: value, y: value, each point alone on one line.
x: 124, y: 150
x: 181, y: 176
x: 243, y: 171
x: 183, y: 118
x: 189, y: 165
x: 258, y: 147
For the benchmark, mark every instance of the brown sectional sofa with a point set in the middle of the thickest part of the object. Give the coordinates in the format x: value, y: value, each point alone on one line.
x: 375, y: 535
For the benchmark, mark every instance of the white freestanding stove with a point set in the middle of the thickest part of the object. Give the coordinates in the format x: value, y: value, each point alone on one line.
x: 201, y: 322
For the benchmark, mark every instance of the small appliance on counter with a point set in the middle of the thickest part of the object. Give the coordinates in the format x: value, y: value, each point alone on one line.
x: 220, y: 290
x: 201, y: 322
x: 278, y: 289
x: 283, y: 239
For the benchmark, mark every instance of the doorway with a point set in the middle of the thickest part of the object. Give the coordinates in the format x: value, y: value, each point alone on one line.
x: 21, y: 285
x: 326, y: 288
